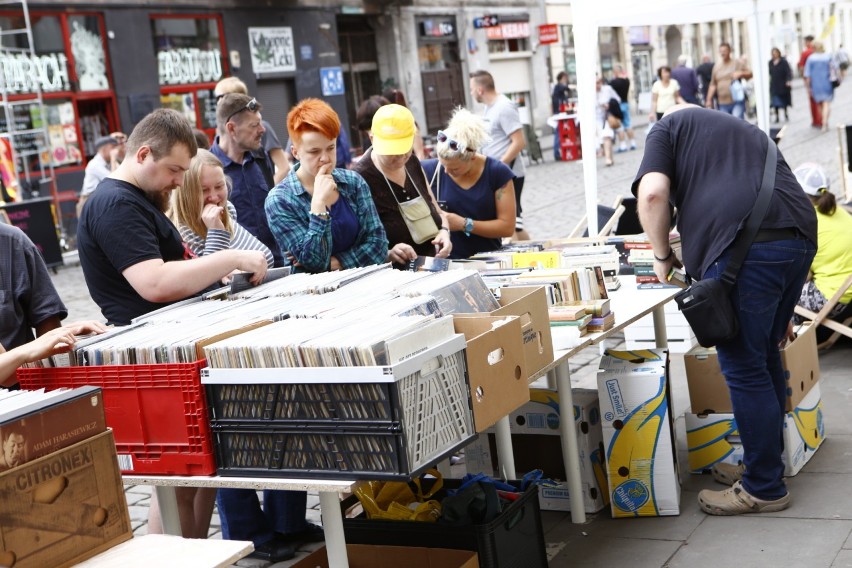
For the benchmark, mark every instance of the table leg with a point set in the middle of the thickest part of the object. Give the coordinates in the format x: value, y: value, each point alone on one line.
x: 570, y: 450
x: 660, y: 335
x: 167, y: 501
x: 332, y: 524
x: 505, y: 455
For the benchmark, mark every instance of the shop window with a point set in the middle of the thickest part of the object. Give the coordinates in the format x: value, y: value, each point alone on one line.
x: 566, y: 32
x: 88, y: 49
x: 189, y: 52
x: 508, y: 37
x: 63, y: 144
x: 508, y: 45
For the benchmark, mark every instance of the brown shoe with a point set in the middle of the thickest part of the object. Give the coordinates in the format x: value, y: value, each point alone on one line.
x: 737, y: 501
x: 727, y: 473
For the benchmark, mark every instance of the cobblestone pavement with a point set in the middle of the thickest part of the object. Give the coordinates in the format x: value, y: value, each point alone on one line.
x: 554, y: 201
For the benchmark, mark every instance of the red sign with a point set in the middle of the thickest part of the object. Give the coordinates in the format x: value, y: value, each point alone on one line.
x: 548, y: 33
x: 511, y: 30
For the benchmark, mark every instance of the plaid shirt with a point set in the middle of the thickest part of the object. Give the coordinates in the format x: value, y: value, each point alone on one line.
x: 308, y: 237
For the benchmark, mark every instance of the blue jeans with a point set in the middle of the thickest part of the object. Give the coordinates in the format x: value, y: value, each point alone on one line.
x: 243, y: 519
x: 766, y: 291
x: 735, y: 109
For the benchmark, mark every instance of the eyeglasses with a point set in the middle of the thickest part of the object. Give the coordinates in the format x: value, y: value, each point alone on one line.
x: 251, y: 106
x: 453, y: 145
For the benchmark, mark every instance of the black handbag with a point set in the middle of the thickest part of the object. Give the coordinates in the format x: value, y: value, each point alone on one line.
x: 706, y: 304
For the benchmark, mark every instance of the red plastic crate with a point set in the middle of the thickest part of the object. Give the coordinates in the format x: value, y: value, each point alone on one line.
x: 158, y: 413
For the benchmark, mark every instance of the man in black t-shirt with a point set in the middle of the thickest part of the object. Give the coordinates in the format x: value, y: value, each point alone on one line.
x: 710, y: 166
x: 621, y: 85
x: 132, y: 255
x: 705, y: 74
x: 558, y: 98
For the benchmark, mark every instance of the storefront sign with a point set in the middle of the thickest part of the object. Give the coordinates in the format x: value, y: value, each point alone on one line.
x: 189, y: 65
x: 511, y: 30
x: 435, y: 28
x: 331, y: 79
x: 639, y: 35
x: 272, y: 50
x: 548, y: 33
x: 486, y: 22
x: 23, y: 73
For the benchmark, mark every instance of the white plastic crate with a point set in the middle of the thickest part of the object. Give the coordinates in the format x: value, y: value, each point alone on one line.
x: 427, y: 414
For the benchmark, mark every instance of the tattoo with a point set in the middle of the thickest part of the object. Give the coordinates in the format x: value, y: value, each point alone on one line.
x: 500, y: 193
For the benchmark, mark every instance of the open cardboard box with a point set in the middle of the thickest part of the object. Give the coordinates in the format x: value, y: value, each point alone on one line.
x: 373, y: 556
x: 530, y: 304
x: 708, y: 391
x: 496, y: 366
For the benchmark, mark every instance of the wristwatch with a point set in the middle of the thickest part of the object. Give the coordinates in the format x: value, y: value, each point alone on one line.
x: 468, y: 226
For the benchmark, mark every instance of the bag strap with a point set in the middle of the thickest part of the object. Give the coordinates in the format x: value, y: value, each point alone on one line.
x: 436, y: 177
x: 761, y: 206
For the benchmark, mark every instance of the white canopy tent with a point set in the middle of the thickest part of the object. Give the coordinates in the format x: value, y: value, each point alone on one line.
x: 589, y: 16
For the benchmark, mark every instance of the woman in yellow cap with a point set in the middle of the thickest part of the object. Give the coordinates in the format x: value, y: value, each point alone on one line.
x: 413, y: 222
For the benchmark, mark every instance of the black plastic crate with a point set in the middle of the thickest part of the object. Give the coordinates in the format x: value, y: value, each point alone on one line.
x: 375, y: 403
x: 515, y: 539
x: 324, y: 453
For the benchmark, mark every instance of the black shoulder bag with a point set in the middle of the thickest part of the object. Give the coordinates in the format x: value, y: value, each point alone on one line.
x: 706, y: 304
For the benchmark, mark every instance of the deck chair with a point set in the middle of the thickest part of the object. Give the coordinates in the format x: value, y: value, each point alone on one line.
x: 607, y: 218
x: 840, y: 326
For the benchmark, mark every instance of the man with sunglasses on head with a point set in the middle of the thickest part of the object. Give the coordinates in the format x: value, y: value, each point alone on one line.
x: 270, y: 141
x: 238, y: 144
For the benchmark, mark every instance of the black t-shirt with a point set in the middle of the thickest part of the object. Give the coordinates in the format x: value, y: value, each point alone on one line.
x: 118, y: 228
x: 715, y: 164
x: 559, y: 96
x: 621, y: 85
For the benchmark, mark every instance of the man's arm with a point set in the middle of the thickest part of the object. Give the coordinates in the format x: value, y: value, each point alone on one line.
x: 282, y: 165
x: 655, y: 216
x: 518, y: 144
x: 159, y: 281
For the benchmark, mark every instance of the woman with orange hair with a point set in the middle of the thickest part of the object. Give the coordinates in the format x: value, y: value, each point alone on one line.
x: 323, y: 217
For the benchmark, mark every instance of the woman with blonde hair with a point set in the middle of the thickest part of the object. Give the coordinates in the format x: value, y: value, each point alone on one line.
x: 200, y: 210
x: 476, y: 192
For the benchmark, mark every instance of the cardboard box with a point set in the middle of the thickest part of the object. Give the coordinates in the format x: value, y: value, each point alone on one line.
x: 496, y: 366
x: 714, y: 438
x: 536, y: 444
x: 372, y: 556
x: 530, y: 304
x: 708, y: 391
x: 64, y: 507
x: 801, y: 365
x: 638, y: 435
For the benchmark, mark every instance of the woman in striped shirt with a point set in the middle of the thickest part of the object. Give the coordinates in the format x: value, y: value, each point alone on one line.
x: 200, y: 209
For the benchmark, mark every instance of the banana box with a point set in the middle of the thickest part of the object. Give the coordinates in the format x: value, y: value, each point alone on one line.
x: 638, y: 434
x: 713, y: 438
x: 710, y: 439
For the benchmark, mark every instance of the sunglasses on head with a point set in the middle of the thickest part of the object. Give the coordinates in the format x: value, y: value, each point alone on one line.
x: 250, y: 106
x: 453, y: 145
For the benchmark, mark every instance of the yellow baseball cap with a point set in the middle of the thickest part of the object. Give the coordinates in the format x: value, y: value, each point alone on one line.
x: 393, y: 130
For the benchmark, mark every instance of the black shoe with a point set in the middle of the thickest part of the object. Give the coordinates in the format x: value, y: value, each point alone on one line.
x: 311, y: 533
x: 275, y: 550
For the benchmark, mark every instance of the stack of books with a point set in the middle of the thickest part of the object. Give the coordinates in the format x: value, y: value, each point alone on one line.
x: 640, y: 255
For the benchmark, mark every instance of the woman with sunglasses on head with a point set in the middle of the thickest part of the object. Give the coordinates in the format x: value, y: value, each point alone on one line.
x: 323, y: 217
x: 476, y: 191
x: 200, y: 210
x: 400, y: 189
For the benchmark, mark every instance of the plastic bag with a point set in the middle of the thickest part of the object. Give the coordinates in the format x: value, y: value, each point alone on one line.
x: 397, y: 500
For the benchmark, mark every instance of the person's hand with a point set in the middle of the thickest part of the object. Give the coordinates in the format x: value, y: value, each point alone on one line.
x: 325, y: 188
x: 652, y: 116
x: 443, y: 244
x: 789, y: 335
x: 334, y: 264
x: 55, y: 341
x: 253, y: 261
x: 293, y: 260
x: 401, y: 253
x: 662, y: 267
x: 211, y: 216
x: 86, y: 327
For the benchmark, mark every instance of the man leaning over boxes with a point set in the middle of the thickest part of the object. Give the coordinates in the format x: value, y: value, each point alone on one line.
x: 710, y: 165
